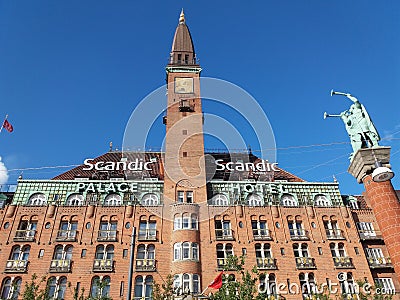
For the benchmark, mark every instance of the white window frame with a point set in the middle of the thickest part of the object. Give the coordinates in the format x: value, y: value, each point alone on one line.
x: 75, y: 200
x: 289, y: 200
x: 37, y: 199
x: 113, y: 200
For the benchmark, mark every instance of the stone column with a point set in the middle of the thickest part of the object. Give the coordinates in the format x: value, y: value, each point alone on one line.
x: 382, y: 198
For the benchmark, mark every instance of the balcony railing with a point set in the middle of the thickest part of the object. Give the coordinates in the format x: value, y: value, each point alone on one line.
x: 334, y: 234
x: 103, y: 265
x: 261, y: 235
x: 224, y: 234
x: 60, y: 266
x: 267, y: 263
x: 145, y: 265
x: 379, y: 262
x: 343, y: 262
x: 298, y: 235
x: 305, y: 263
x: 16, y: 266
x: 369, y: 235
x: 184, y: 106
x: 107, y: 235
x: 66, y: 235
x: 25, y: 235
x: 147, y: 235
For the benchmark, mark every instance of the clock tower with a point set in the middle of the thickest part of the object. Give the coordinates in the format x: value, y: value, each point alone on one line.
x: 184, y: 167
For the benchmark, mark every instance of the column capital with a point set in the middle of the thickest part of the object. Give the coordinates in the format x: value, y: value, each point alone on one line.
x: 363, y: 162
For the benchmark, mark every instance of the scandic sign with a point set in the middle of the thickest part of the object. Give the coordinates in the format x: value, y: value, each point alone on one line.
x: 140, y: 165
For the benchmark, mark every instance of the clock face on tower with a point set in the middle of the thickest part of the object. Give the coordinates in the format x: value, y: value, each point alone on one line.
x: 183, y: 85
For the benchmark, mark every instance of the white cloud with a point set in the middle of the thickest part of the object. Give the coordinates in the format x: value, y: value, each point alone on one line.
x: 3, y: 173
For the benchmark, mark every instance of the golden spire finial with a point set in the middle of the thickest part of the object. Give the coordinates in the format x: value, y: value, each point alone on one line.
x: 182, y: 17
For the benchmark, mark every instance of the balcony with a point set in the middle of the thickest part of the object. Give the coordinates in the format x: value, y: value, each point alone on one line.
x: 25, y: 235
x: 267, y: 263
x: 147, y: 235
x: 343, y: 262
x: 184, y: 106
x: 224, y: 234
x: 334, y: 234
x: 107, y: 236
x: 262, y: 235
x: 221, y: 262
x: 103, y: 265
x: 299, y: 235
x: 66, y: 236
x: 304, y: 263
x: 145, y: 265
x: 16, y: 266
x: 367, y: 235
x: 379, y: 262
x: 60, y: 266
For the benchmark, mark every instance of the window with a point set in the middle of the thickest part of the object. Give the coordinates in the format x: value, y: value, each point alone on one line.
x: 223, y: 230
x: 220, y: 200
x: 104, y: 252
x: 41, y: 253
x: 57, y: 287
x: 150, y: 199
x: 100, y: 287
x: 300, y: 250
x: 366, y: 229
x: 143, y: 287
x: 268, y: 284
x: 307, y: 284
x: 147, y: 230
x: 386, y: 285
x: 296, y: 229
x: 20, y: 253
x: 26, y: 231
x: 185, y: 221
x: 260, y: 229
x: 320, y: 250
x: 186, y: 283
x: 67, y: 231
x: 186, y: 250
x: 37, y: 199
x: 113, y: 200
x: 223, y: 252
x: 337, y: 250
x: 75, y: 200
x: 254, y: 200
x: 353, y: 203
x: 10, y: 288
x: 288, y: 200
x: 83, y: 253
x: 332, y: 229
x: 185, y: 196
x: 145, y: 258
x: 107, y: 231
x: 264, y: 256
x: 375, y: 256
x: 62, y: 252
x: 322, y: 200
x: 125, y: 253
x: 347, y: 284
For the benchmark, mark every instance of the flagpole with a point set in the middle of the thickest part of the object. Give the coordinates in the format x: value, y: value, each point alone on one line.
x: 2, y: 124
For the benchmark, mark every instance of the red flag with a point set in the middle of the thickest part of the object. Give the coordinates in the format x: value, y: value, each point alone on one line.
x: 8, y: 126
x: 217, y: 282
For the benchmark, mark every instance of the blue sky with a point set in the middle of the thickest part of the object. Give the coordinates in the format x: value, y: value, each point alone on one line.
x: 71, y: 73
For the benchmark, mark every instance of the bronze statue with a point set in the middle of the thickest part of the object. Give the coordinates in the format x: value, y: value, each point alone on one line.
x: 359, y: 125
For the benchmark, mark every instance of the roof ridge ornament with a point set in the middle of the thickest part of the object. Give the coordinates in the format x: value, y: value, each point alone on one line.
x: 182, y: 17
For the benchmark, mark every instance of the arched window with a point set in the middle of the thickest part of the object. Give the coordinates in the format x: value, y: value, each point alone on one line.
x: 75, y: 200
x: 254, y: 200
x: 186, y: 250
x: 113, y: 200
x: 185, y: 221
x: 37, y: 199
x: 186, y: 283
x: 20, y: 253
x: 150, y: 199
x: 143, y: 287
x: 104, y: 252
x: 63, y: 252
x: 321, y: 200
x: 337, y: 250
x: 307, y: 284
x: 264, y: 256
x: 220, y: 200
x: 56, y: 288
x: 223, y: 252
x: 10, y: 288
x: 267, y: 284
x: 100, y: 287
x: 145, y: 258
x: 300, y: 250
x: 288, y: 200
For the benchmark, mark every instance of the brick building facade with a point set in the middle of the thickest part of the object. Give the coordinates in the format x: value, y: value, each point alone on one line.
x: 77, y: 228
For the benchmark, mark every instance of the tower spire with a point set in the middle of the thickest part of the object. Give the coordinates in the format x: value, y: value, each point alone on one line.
x: 182, y: 52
